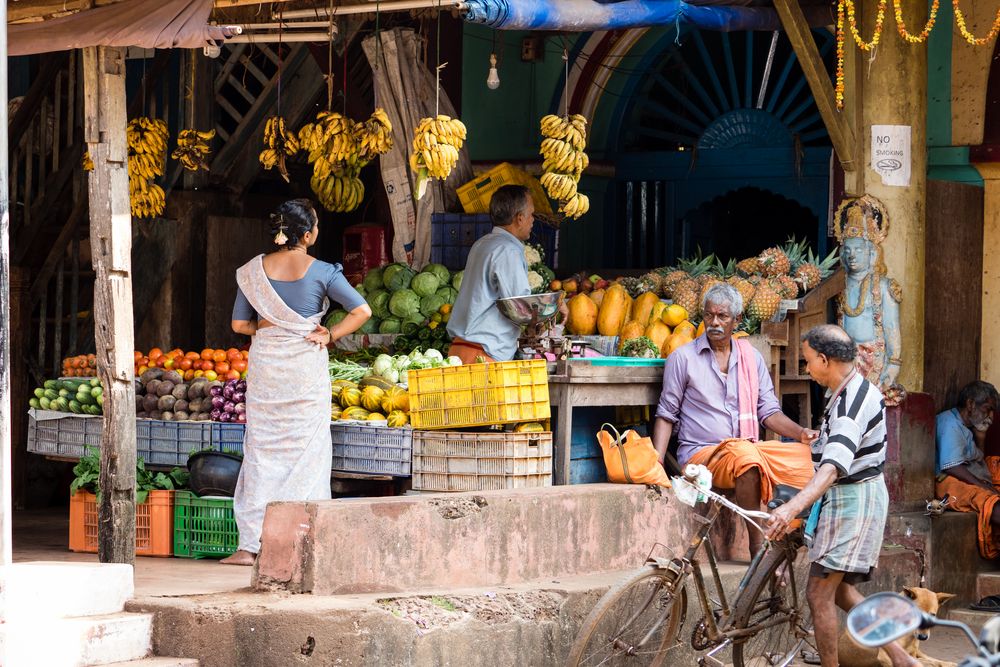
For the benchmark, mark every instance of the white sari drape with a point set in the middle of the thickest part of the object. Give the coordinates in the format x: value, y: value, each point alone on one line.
x: 287, y: 453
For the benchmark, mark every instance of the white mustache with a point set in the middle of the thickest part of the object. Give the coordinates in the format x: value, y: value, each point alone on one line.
x: 715, y: 330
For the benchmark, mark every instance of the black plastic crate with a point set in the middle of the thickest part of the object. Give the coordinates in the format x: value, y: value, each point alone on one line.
x: 452, y: 235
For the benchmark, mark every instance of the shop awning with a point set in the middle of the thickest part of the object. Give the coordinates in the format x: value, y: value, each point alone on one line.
x: 589, y: 15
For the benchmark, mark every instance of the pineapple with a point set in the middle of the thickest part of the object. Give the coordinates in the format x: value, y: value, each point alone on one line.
x: 774, y: 262
x: 637, y: 286
x: 749, y: 266
x: 706, y: 285
x: 812, y: 270
x: 686, y: 296
x: 788, y: 287
x: 765, y: 302
x: 656, y: 280
x: 744, y: 287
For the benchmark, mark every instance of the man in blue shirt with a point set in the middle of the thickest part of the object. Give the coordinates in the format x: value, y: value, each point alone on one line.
x: 496, y: 269
x: 963, y: 471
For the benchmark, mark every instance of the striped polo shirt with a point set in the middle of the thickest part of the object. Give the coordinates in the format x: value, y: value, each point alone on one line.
x: 852, y: 437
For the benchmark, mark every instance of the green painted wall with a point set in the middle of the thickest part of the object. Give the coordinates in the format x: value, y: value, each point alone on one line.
x: 503, y: 123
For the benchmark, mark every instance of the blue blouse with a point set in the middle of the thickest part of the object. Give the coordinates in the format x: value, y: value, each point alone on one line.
x: 305, y: 295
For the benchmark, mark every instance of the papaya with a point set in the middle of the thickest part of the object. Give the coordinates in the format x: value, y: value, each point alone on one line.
x: 675, y: 341
x: 658, y: 332
x: 643, y: 306
x: 614, y: 311
x: 371, y: 398
x: 582, y: 316
x: 657, y: 313
x: 631, y: 330
x: 597, y: 296
x: 397, y: 419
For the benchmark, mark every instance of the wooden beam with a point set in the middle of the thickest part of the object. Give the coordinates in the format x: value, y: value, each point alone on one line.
x: 111, y: 246
x: 57, y: 251
x: 32, y: 11
x: 800, y: 35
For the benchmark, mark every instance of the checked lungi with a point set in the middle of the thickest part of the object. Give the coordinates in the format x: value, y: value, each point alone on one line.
x: 852, y: 517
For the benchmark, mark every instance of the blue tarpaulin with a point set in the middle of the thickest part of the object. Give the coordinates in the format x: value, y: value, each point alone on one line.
x: 589, y: 15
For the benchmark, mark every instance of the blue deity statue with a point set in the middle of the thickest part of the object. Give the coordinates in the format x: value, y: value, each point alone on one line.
x: 869, y: 305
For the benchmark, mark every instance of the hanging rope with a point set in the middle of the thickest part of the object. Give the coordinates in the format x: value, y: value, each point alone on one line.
x: 329, y: 63
x: 565, y: 57
x: 440, y: 66
x: 281, y: 24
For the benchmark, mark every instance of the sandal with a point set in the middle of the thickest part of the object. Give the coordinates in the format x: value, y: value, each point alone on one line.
x: 988, y: 603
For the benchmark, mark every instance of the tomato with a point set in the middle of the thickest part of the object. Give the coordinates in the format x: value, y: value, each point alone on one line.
x: 207, y: 365
x: 206, y: 354
x: 192, y: 356
x: 199, y: 374
x: 136, y: 356
x: 219, y: 355
x: 185, y: 364
x: 188, y: 375
x: 245, y: 354
x: 211, y: 376
x: 155, y: 353
x: 239, y: 365
x: 232, y: 375
x: 232, y: 354
x: 222, y: 367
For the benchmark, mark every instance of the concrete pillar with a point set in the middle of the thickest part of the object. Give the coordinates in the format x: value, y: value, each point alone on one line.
x: 989, y: 358
x: 894, y: 92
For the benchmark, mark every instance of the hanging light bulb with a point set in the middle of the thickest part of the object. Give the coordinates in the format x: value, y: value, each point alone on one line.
x: 493, y: 79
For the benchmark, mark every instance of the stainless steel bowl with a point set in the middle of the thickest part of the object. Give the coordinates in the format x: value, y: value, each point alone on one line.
x: 521, y: 309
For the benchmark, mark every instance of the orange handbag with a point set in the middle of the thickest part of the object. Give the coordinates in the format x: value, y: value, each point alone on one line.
x: 630, y: 458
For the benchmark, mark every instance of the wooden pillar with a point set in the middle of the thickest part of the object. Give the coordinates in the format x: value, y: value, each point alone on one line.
x: 111, y: 247
x: 894, y: 92
x: 20, y: 383
x: 989, y: 360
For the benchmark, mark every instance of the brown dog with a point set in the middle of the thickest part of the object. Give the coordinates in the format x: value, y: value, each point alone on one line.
x: 854, y: 655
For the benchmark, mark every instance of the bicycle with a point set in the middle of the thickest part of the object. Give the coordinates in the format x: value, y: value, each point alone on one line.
x: 638, y: 620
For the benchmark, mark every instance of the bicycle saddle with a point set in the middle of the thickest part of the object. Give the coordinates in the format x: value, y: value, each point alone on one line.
x: 782, y: 494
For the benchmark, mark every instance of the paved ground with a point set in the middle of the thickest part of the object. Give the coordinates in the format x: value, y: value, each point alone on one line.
x: 43, y: 535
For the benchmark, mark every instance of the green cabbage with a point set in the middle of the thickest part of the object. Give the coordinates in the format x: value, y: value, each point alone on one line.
x: 373, y: 280
x: 449, y: 294
x: 456, y: 280
x: 335, y: 317
x: 416, y: 319
x: 397, y: 276
x: 425, y: 284
x: 431, y: 304
x: 389, y: 326
x: 379, y: 303
x: 404, y: 303
x: 439, y: 270
x: 369, y: 327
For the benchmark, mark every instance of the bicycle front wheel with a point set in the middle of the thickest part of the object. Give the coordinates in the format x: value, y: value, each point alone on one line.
x: 634, y: 623
x: 770, y: 599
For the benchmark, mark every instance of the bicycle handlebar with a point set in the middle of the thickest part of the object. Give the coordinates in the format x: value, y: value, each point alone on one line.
x: 747, y: 515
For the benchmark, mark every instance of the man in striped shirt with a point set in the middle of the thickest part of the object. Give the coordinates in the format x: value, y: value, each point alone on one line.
x: 848, y: 457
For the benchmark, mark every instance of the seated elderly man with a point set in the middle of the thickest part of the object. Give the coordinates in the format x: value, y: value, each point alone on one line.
x: 717, y: 392
x: 964, y: 472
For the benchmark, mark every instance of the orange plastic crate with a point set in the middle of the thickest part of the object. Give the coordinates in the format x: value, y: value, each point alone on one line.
x: 502, y: 392
x: 154, y: 524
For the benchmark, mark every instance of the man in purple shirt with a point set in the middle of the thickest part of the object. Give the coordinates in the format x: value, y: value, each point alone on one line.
x: 716, y: 394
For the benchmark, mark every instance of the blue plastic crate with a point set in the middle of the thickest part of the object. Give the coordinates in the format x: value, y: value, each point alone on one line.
x: 452, y: 235
x: 228, y: 437
x: 170, y: 443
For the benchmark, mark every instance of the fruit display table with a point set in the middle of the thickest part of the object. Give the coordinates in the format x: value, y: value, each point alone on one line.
x: 579, y: 384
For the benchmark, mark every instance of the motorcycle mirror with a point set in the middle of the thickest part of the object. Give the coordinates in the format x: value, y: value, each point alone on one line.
x: 882, y: 618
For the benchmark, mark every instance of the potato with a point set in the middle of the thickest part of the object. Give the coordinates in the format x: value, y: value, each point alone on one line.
x: 166, y: 403
x: 181, y: 405
x: 181, y: 416
x: 180, y: 392
x: 152, y: 386
x: 164, y: 388
x: 167, y: 416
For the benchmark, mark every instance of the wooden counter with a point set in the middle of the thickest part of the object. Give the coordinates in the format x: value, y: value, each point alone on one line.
x: 578, y: 384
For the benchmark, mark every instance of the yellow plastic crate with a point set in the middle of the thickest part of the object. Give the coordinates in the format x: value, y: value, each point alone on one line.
x: 476, y: 194
x: 479, y: 394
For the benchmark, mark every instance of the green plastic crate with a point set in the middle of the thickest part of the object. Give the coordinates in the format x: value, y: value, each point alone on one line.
x: 204, y: 527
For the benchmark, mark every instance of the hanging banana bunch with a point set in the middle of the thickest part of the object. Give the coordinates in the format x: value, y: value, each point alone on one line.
x: 278, y: 145
x: 86, y: 162
x: 147, y: 155
x: 338, y: 149
x: 436, y: 143
x: 565, y: 139
x: 193, y: 149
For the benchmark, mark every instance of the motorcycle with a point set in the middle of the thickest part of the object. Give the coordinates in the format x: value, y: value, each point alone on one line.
x: 885, y: 617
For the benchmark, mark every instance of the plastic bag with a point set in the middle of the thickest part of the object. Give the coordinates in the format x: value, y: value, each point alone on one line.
x: 689, y: 492
x: 630, y: 458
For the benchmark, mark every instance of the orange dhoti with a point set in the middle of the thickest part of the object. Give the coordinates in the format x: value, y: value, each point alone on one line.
x: 787, y: 463
x: 972, y: 498
x: 469, y: 353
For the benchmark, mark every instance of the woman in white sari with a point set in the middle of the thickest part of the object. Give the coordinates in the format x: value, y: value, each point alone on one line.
x: 281, y: 301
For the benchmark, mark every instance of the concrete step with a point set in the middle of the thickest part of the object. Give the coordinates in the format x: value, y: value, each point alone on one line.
x: 77, y: 642
x: 157, y: 662
x: 987, y: 583
x: 471, y: 539
x: 45, y: 590
x: 973, y: 619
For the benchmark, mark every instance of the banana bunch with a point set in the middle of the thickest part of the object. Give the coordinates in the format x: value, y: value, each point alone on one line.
x: 564, y: 160
x: 147, y: 155
x: 338, y: 149
x: 339, y: 192
x: 278, y: 145
x: 193, y: 148
x: 86, y: 162
x: 436, y: 143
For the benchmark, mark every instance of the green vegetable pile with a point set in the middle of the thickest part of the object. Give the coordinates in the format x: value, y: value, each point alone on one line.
x: 641, y: 347
x: 79, y: 396
x: 88, y: 474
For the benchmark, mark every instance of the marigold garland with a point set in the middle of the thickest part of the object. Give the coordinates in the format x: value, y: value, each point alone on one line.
x: 925, y: 33
x: 969, y: 37
x: 879, y: 20
x: 840, y: 55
